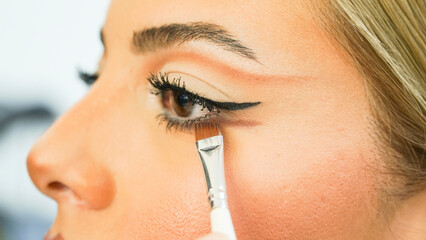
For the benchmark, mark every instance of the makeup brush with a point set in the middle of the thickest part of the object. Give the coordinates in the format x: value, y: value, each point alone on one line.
x: 209, y: 143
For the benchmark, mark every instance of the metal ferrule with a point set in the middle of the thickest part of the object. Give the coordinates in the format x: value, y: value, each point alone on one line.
x: 211, y: 154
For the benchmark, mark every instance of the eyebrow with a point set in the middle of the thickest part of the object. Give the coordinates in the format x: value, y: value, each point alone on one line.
x: 165, y: 36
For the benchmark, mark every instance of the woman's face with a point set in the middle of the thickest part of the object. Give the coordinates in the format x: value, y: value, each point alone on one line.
x: 297, y: 165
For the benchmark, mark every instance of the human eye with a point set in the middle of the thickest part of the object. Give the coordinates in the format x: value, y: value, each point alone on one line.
x: 183, y: 108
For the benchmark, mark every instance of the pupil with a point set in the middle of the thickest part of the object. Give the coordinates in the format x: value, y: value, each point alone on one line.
x: 183, y: 99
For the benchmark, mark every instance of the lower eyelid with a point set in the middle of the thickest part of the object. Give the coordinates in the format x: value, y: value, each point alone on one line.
x: 181, y: 124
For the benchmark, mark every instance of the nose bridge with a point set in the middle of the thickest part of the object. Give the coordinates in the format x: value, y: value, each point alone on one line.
x: 62, y: 163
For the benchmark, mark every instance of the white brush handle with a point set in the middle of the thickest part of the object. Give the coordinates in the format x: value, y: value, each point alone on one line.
x: 222, y: 223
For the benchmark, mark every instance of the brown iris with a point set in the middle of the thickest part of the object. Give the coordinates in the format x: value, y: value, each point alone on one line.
x: 180, y: 103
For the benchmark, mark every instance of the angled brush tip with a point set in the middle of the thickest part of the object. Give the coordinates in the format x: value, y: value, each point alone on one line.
x: 206, y: 130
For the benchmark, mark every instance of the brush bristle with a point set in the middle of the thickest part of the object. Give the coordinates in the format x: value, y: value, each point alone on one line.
x: 206, y: 130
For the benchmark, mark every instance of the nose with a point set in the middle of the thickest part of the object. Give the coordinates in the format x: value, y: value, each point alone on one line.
x: 63, y: 166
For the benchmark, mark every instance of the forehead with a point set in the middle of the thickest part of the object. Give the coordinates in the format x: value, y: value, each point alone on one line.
x: 220, y: 11
x: 264, y: 26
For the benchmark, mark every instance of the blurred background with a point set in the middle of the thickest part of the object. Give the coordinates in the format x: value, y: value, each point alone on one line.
x: 42, y: 44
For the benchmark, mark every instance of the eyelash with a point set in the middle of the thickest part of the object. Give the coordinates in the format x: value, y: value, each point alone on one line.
x: 88, y: 78
x: 161, y: 83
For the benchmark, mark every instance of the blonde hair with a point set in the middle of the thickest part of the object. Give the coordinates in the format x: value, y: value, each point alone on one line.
x: 386, y: 40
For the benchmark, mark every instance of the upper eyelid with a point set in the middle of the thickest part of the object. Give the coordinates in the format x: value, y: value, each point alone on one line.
x: 159, y: 80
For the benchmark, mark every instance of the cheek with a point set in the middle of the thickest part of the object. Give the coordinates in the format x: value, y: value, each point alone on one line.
x: 169, y: 207
x: 162, y: 186
x: 301, y: 190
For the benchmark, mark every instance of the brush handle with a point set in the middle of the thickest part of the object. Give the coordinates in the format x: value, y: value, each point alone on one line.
x: 222, y: 223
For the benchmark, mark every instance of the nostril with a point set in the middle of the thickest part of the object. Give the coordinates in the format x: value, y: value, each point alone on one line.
x: 57, y: 186
x: 62, y: 193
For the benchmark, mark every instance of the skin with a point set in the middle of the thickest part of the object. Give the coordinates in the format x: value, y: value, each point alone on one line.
x: 298, y: 166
